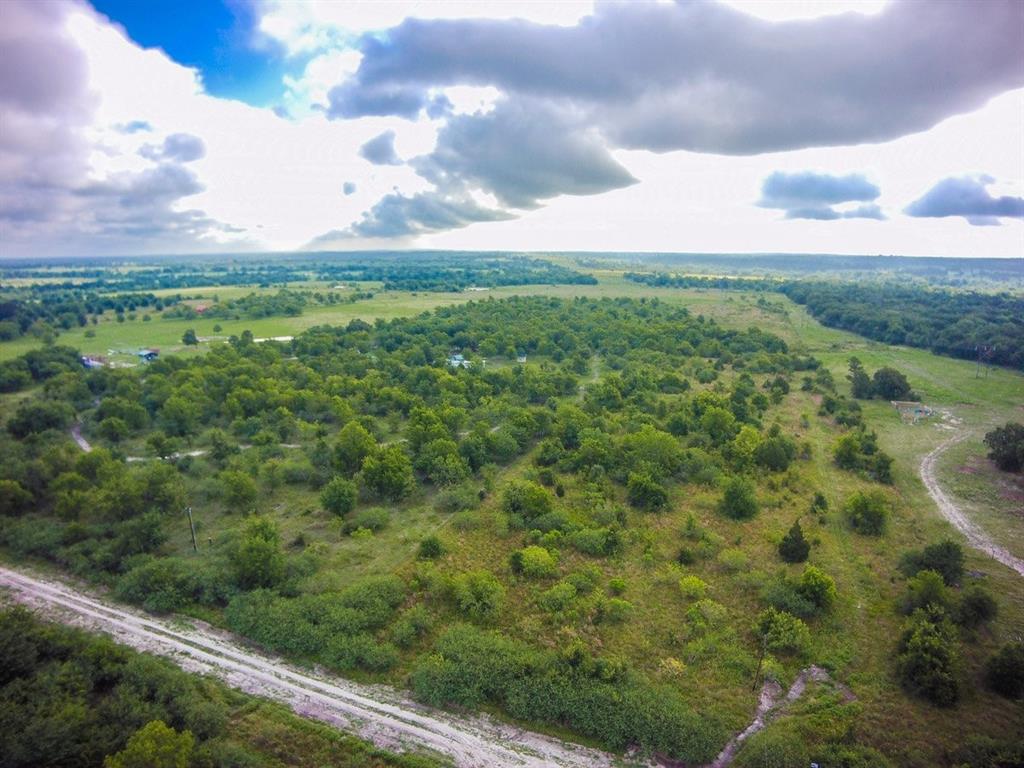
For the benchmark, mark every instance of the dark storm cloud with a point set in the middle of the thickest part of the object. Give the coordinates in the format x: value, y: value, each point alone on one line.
x: 810, y: 195
x: 967, y: 197
x: 705, y: 77
x: 380, y: 150
x: 178, y: 147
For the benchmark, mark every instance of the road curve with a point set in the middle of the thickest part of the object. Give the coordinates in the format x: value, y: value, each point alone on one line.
x: 976, y: 537
x: 377, y: 713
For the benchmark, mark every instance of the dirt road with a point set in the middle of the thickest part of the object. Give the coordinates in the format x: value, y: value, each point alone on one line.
x: 976, y: 537
x: 377, y: 713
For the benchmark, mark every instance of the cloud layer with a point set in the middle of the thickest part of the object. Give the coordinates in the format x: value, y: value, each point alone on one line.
x: 811, y: 195
x: 968, y: 197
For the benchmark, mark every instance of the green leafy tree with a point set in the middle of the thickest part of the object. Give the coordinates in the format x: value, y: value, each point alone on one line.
x: 534, y: 562
x: 154, y: 745
x: 976, y: 607
x: 782, y: 632
x: 794, y: 548
x: 431, y: 548
x: 890, y: 384
x: 189, y: 338
x: 239, y: 490
x: 526, y: 500
x: 817, y: 587
x: 1006, y: 447
x: 925, y: 589
x: 14, y: 500
x: 388, y: 473
x: 860, y: 382
x: 1004, y: 672
x: 257, y: 560
x: 927, y: 660
x: 478, y: 594
x: 867, y: 513
x: 946, y: 557
x: 645, y: 492
x: 739, y: 500
x: 339, y: 496
x: 354, y: 444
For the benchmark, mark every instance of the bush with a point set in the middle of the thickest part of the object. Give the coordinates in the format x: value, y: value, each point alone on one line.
x: 526, y: 500
x: 733, y: 559
x: 257, y: 560
x: 794, y: 548
x: 387, y: 472
x: 925, y: 589
x: 616, y: 610
x: 782, y: 632
x: 597, y: 541
x: 1004, y: 672
x: 360, y: 651
x: 534, y: 563
x: 817, y: 587
x: 739, y: 501
x: 1006, y: 447
x: 645, y: 492
x: 946, y: 557
x: 977, y: 607
x: 339, y: 496
x: 928, y: 660
x: 430, y: 548
x: 775, y: 453
x: 692, y: 587
x: 160, y: 585
x: 558, y: 598
x: 478, y: 594
x: 867, y: 513
x: 373, y: 519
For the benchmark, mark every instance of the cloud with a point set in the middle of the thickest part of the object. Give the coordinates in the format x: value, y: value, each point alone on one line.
x: 180, y: 147
x: 380, y: 150
x: 398, y: 216
x: 348, y: 188
x: 968, y: 197
x: 704, y: 77
x: 811, y: 195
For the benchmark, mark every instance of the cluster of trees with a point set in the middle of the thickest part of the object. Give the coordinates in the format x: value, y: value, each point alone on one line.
x: 38, y: 365
x: 71, y: 699
x: 886, y: 383
x: 1006, y: 446
x: 41, y: 311
x: 954, y: 323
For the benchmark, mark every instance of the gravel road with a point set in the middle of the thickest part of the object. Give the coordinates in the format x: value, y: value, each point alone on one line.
x: 377, y: 713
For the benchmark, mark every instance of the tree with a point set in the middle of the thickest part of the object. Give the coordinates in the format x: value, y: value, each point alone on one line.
x: 890, y: 384
x: 478, y: 594
x: 430, y: 548
x: 239, y: 490
x: 794, y: 548
x: 1004, y: 672
x: 154, y: 745
x: 739, y: 501
x: 645, y: 492
x: 189, y: 338
x: 354, y: 444
x: 867, y: 513
x: 339, y: 496
x: 1006, y: 446
x: 441, y: 462
x: 388, y: 473
x: 817, y: 587
x: 526, y: 500
x: 781, y: 631
x: 860, y: 383
x: 926, y: 589
x: 533, y: 562
x: 258, y: 560
x: 977, y: 606
x: 776, y: 453
x: 945, y: 557
x: 14, y: 500
x: 927, y: 660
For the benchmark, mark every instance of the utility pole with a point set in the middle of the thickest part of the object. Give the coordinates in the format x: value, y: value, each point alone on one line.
x: 192, y: 528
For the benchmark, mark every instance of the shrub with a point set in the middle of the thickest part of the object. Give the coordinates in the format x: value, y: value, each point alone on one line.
x: 733, y: 559
x: 388, y: 473
x: 738, y: 499
x: 817, y: 587
x: 339, y: 496
x: 597, y: 541
x: 645, y: 492
x: 925, y: 589
x: 526, y: 500
x: 558, y: 598
x: 785, y: 595
x: 257, y: 560
x: 534, y: 563
x: 616, y: 610
x: 373, y: 519
x: 430, y: 548
x: 794, y: 548
x: 977, y: 607
x: 1004, y: 672
x: 160, y: 585
x: 775, y: 453
x: 457, y: 499
x: 927, y: 660
x: 478, y: 594
x: 782, y: 632
x: 617, y: 585
x: 239, y: 490
x: 946, y: 557
x: 360, y: 651
x: 1006, y: 447
x: 692, y: 587
x: 867, y: 513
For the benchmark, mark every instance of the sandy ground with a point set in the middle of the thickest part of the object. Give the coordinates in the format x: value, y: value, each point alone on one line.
x: 377, y: 713
x: 976, y: 537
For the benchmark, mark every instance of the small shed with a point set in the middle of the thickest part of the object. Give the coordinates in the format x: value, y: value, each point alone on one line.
x: 148, y: 355
x: 911, y: 411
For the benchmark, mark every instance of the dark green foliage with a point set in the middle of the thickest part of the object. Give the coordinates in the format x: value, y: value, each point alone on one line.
x: 594, y: 697
x: 925, y: 590
x: 257, y: 560
x: 339, y: 496
x: 354, y: 444
x: 1006, y: 446
x: 985, y: 752
x: 945, y: 557
x: 372, y: 519
x: 526, y: 500
x: 739, y: 501
x: 1004, y: 672
x: 860, y: 382
x: 794, y: 548
x: 189, y: 338
x: 775, y: 453
x: 858, y: 451
x: 867, y: 513
x: 388, y: 473
x: 479, y: 595
x: 39, y: 415
x: 430, y: 548
x: 928, y: 659
x: 976, y: 607
x: 890, y: 384
x: 645, y: 492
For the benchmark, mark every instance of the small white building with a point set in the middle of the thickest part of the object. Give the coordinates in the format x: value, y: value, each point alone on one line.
x: 458, y: 361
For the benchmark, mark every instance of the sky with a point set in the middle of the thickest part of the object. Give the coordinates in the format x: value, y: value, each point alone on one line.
x: 847, y: 126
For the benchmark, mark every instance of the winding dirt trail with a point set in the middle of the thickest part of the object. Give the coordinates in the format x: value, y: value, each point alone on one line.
x: 377, y: 713
x: 975, y: 536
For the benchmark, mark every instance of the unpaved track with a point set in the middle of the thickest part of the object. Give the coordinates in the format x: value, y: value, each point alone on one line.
x: 976, y: 537
x: 377, y: 713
